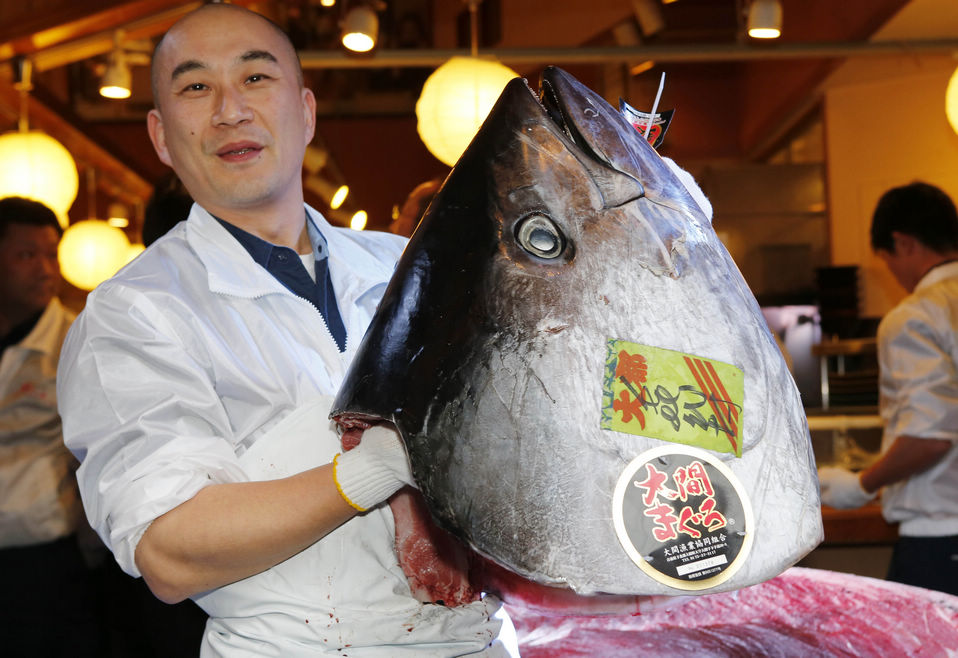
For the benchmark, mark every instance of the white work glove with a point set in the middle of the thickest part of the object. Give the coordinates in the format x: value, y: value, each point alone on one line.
x: 373, y: 471
x: 841, y: 488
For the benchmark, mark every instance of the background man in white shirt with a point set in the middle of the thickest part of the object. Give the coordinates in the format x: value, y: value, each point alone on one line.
x: 46, y: 599
x: 915, y: 231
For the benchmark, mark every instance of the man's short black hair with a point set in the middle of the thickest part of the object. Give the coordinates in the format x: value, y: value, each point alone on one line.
x: 18, y: 210
x: 920, y: 210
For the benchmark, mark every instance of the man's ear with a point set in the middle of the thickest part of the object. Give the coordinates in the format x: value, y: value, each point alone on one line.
x: 154, y: 126
x: 309, y: 113
x: 904, y: 244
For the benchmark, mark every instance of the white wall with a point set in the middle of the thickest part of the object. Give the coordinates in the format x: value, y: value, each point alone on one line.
x: 885, y: 126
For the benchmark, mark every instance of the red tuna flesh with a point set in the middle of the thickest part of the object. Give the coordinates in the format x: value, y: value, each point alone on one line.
x: 801, y: 613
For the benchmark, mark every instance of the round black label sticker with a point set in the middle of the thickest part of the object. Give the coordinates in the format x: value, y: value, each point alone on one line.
x: 683, y: 517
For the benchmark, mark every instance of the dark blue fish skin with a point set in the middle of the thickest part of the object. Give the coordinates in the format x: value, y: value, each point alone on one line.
x: 488, y: 356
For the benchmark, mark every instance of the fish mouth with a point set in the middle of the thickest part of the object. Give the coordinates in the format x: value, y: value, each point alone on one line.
x: 549, y: 99
x: 593, y: 127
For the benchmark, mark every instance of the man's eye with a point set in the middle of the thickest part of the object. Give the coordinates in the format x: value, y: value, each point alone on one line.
x: 196, y: 86
x: 256, y: 77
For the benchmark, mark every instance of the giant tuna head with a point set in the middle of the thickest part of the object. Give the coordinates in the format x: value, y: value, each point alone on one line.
x: 563, y: 329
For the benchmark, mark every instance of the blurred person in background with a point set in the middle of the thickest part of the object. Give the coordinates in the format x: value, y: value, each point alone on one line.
x: 915, y: 232
x: 414, y: 207
x: 47, y: 595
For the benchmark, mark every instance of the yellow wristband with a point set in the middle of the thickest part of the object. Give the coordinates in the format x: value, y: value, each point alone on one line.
x: 339, y: 488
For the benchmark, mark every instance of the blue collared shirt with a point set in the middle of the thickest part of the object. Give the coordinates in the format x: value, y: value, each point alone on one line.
x: 287, y: 267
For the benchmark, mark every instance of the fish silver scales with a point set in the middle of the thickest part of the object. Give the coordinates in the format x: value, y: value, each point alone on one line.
x: 561, y: 248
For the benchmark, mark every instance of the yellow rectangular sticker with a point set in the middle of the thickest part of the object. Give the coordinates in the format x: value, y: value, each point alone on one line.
x: 673, y: 396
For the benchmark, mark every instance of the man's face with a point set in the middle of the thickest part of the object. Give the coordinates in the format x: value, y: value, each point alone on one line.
x: 232, y: 118
x: 29, y: 271
x: 900, y: 266
x: 903, y: 260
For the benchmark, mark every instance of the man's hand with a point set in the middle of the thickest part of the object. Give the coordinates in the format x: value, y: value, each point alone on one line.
x: 374, y: 470
x: 841, y: 488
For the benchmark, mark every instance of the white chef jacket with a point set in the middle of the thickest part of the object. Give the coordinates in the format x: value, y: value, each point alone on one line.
x: 193, y: 366
x: 918, y: 359
x: 39, y: 501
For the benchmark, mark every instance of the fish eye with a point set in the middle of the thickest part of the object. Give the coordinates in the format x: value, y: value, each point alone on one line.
x: 539, y: 235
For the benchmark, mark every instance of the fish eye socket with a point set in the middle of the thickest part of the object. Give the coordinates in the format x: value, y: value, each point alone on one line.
x: 538, y: 235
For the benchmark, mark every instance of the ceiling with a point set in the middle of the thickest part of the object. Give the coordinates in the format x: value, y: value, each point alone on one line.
x: 734, y: 99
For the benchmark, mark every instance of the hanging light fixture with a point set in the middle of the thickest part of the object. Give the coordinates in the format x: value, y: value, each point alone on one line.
x: 339, y: 196
x: 358, y: 221
x: 118, y: 215
x: 360, y: 28
x: 316, y: 159
x: 333, y: 195
x: 117, y: 81
x: 951, y: 101
x: 91, y: 251
x: 456, y: 98
x: 765, y: 19
x: 33, y: 164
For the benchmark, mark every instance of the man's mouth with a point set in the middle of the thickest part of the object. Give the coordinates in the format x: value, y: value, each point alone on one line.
x: 239, y: 151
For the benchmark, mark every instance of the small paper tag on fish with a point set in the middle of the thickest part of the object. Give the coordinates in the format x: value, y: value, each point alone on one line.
x: 640, y: 120
x: 673, y: 396
x: 683, y: 517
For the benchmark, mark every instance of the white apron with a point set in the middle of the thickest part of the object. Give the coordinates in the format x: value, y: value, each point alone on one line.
x: 344, y: 594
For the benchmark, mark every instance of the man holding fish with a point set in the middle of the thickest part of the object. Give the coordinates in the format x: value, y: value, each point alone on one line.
x: 196, y: 385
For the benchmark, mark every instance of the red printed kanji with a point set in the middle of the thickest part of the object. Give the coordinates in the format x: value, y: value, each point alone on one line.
x: 665, y: 522
x: 632, y: 366
x: 686, y: 518
x: 654, y: 485
x: 711, y: 519
x: 692, y: 481
x: 700, y: 478
x: 630, y: 408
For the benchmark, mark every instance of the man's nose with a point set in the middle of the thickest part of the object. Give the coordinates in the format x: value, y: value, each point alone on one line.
x: 231, y: 107
x: 49, y: 267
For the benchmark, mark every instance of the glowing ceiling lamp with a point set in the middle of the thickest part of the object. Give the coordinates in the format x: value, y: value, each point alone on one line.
x: 456, y: 98
x: 331, y: 194
x: 765, y: 19
x: 358, y: 221
x: 33, y: 164
x: 118, y: 215
x: 339, y: 196
x: 360, y: 28
x: 951, y: 101
x: 91, y: 251
x: 38, y: 167
x: 117, y: 81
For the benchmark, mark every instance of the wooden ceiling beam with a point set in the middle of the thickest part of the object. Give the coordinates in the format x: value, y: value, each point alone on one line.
x: 98, y: 38
x: 29, y: 28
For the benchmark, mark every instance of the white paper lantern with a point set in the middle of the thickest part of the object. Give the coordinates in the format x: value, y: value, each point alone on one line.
x: 38, y: 167
x: 951, y: 101
x: 91, y: 252
x: 455, y: 101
